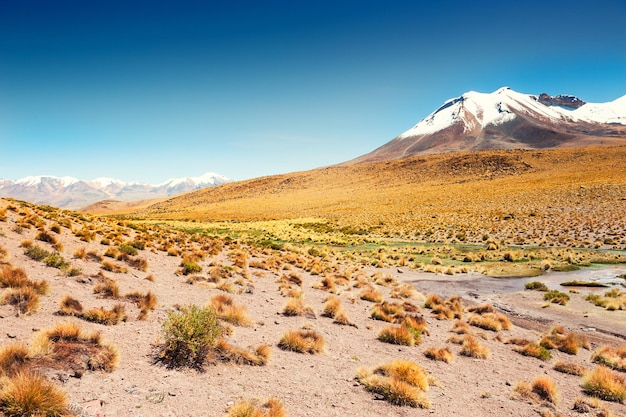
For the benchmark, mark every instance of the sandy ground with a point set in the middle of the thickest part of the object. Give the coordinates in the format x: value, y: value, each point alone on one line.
x: 308, y: 385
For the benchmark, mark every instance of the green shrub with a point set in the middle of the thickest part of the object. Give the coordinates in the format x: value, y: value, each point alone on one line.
x: 56, y: 261
x: 536, y: 285
x: 191, y: 268
x: 556, y: 297
x: 128, y: 249
x: 189, y: 335
x: 36, y: 252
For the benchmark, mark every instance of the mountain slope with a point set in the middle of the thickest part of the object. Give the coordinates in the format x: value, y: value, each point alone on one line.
x: 69, y: 192
x: 434, y: 195
x: 506, y: 119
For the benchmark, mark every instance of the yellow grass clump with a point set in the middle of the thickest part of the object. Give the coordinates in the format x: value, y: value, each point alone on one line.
x: 302, y: 341
x: 440, y: 354
x: 13, y: 359
x: 295, y: 307
x: 400, y: 382
x: 605, y: 384
x: 225, y: 352
x: 254, y: 408
x: 31, y: 394
x: 473, y: 348
x: 570, y: 368
x: 614, y: 358
x: 227, y: 310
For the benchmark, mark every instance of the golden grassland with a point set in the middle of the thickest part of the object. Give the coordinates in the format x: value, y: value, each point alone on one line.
x: 515, y: 212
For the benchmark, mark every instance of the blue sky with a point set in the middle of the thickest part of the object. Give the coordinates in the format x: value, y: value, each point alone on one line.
x: 151, y: 90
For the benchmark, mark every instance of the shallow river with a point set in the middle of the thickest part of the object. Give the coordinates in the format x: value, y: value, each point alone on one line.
x: 471, y: 284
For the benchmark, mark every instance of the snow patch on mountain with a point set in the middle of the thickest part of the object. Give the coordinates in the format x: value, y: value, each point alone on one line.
x: 478, y: 110
x: 69, y: 192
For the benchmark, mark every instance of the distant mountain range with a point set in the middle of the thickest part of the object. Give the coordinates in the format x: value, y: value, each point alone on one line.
x: 72, y: 193
x: 506, y: 119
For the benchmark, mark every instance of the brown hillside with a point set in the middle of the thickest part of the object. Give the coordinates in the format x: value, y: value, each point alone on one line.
x: 565, y: 196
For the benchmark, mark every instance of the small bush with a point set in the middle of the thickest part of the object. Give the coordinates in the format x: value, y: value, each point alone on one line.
x: 190, y: 268
x: 36, y: 252
x: 556, y: 297
x: 188, y: 334
x: 537, y: 286
x: 128, y: 249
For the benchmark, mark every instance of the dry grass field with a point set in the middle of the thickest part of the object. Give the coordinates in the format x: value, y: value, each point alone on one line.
x: 501, y: 213
x: 367, y: 305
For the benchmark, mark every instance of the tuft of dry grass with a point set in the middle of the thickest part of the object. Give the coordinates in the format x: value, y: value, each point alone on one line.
x: 490, y: 321
x: 605, y: 384
x: 614, y: 358
x: 227, y: 310
x: 386, y: 311
x: 13, y: 359
x: 107, y: 289
x: 534, y: 350
x: 67, y: 347
x: 473, y: 348
x: 568, y: 343
x: 546, y: 389
x: 400, y: 382
x: 570, y: 368
x: 70, y: 306
x: 31, y: 394
x: 587, y: 404
x: 541, y: 389
x: 432, y: 300
x: 440, y: 354
x: 397, y: 335
x: 302, y: 341
x: 24, y: 299
x: 295, y: 307
x: 110, y: 317
x: 370, y: 293
x: 225, y: 352
x: 254, y: 408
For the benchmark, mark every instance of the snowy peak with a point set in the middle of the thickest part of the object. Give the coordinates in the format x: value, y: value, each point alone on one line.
x: 69, y: 192
x: 506, y: 119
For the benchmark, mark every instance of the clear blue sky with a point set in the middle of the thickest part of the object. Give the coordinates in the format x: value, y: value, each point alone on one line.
x: 151, y: 90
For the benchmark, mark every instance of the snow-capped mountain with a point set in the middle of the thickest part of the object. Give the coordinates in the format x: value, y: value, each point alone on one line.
x: 506, y: 119
x: 72, y: 193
